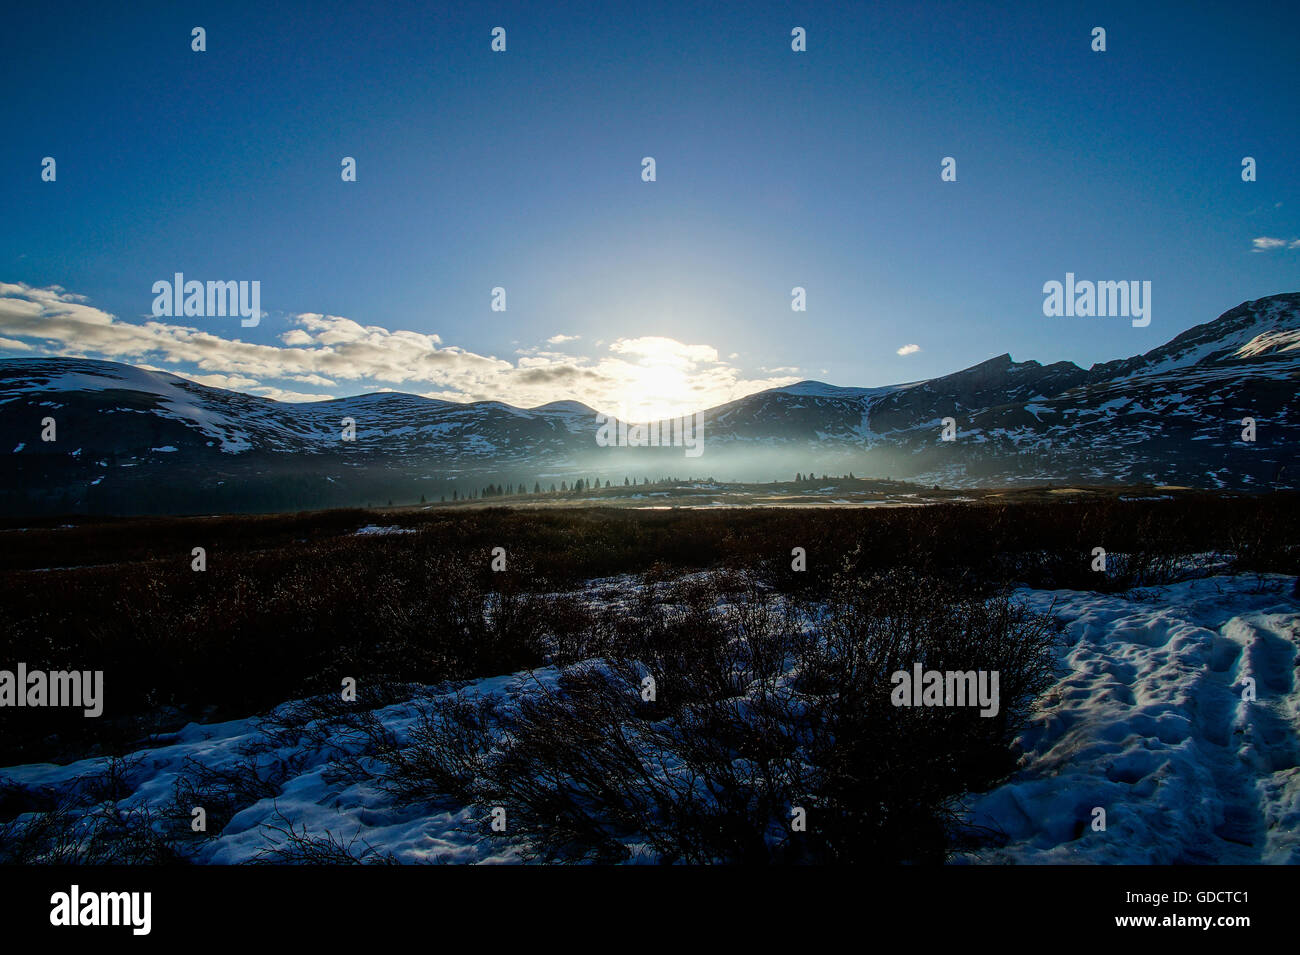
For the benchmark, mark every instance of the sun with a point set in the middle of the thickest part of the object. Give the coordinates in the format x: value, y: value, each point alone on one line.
x: 655, y: 390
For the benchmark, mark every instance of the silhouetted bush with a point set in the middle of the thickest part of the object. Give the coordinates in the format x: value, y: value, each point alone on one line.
x: 757, y: 709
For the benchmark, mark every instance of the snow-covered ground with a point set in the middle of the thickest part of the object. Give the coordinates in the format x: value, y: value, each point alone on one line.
x: 1145, y: 721
x: 357, y: 814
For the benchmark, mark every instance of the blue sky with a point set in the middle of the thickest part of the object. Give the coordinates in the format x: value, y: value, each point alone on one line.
x: 522, y: 169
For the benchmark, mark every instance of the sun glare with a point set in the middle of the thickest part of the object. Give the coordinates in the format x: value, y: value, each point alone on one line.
x: 655, y: 390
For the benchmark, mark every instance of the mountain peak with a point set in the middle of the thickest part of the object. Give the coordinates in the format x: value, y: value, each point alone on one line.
x: 820, y: 389
x: 1253, y: 329
x: 567, y: 406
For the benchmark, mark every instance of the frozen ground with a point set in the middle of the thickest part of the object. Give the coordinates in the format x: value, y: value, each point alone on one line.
x: 1146, y: 721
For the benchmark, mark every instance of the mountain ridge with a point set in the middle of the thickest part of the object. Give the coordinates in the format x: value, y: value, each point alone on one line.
x: 1173, y: 414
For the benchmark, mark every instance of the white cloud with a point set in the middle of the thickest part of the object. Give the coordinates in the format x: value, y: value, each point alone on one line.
x: 661, y: 349
x: 650, y: 375
x: 318, y: 380
x: 229, y: 382
x: 561, y: 339
x: 1265, y: 244
x: 909, y: 349
x: 280, y: 394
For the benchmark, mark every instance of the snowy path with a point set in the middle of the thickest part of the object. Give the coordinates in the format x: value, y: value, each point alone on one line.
x: 1148, y: 722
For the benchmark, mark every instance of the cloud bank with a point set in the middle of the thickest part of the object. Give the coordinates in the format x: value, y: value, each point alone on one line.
x: 648, y: 375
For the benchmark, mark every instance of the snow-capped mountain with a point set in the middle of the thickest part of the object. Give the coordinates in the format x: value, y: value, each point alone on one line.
x: 133, y: 408
x: 132, y: 439
x: 1173, y: 415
